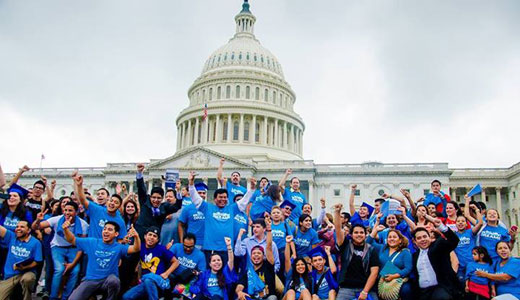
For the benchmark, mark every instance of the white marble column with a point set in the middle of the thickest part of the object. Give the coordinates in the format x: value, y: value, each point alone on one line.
x: 229, y: 128
x: 218, y: 131
x: 453, y: 193
x: 292, y: 141
x: 276, y: 132
x: 271, y: 132
x: 241, y: 129
x: 284, y: 136
x: 499, y: 199
x: 312, y: 199
x: 264, y: 131
x: 196, y: 139
x: 206, y: 131
x: 483, y: 195
x: 178, y: 136
x: 252, y: 138
x: 190, y: 134
x: 301, y: 142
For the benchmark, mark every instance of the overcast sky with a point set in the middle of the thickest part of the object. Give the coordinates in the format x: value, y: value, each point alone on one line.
x: 92, y: 82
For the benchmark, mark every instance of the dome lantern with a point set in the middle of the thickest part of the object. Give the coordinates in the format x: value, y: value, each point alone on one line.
x: 245, y: 22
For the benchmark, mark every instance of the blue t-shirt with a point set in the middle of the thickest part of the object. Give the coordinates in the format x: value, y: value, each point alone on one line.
x: 297, y: 199
x: 489, y: 236
x: 103, y: 259
x: 219, y: 223
x: 512, y: 268
x: 194, y: 219
x: 99, y: 216
x: 11, y: 221
x: 280, y: 231
x: 239, y: 221
x: 473, y: 266
x: 465, y: 246
x: 327, y: 283
x: 186, y: 201
x: 19, y: 251
x: 213, y: 288
x: 303, y: 241
x: 234, y: 190
x: 155, y: 260
x: 193, y: 261
x: 260, y: 206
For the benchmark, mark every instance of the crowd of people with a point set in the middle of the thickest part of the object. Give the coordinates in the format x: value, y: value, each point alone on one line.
x: 257, y: 241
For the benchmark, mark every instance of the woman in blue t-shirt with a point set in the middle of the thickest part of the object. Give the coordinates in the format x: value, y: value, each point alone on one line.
x: 492, y: 233
x: 507, y: 273
x: 216, y: 282
x: 298, y: 283
x: 305, y: 237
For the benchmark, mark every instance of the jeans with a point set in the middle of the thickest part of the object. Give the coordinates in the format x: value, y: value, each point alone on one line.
x: 60, y: 256
x: 349, y: 294
x: 145, y: 288
x: 87, y: 288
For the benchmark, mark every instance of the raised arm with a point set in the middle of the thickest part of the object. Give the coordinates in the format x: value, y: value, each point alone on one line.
x: 2, y: 178
x: 408, y: 221
x: 269, y: 241
x: 78, y: 189
x: 242, y: 203
x: 220, y: 171
x: 337, y: 224
x: 69, y: 236
x: 195, y: 197
x: 408, y: 197
x: 240, y: 245
x: 467, y: 213
x: 323, y: 212
x: 332, y: 264
x: 125, y: 200
x: 480, y: 222
x: 288, y: 241
x: 352, y: 208
x: 39, y: 224
x: 284, y: 177
x: 142, y: 194
x: 16, y: 177
x: 231, y: 257
x: 136, y: 246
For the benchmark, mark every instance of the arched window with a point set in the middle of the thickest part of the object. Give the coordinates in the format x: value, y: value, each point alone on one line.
x: 203, y: 95
x: 210, y: 94
x: 257, y: 132
x: 228, y: 92
x: 257, y: 93
x: 224, y: 130
x: 237, y: 92
x: 248, y: 92
x: 274, y: 97
x: 232, y: 55
x: 219, y: 92
x: 266, y: 95
x: 235, y: 131
x: 246, y: 131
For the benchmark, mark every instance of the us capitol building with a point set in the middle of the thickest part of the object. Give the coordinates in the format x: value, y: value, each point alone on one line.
x: 252, y: 124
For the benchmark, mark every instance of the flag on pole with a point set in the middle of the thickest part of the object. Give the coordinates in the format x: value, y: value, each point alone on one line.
x: 205, y: 112
x: 43, y: 157
x: 475, y: 190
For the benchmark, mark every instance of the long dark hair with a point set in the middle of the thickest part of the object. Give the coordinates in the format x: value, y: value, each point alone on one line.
x: 220, y: 273
x: 133, y: 217
x: 485, y: 255
x: 295, y: 276
x: 19, y: 211
x: 273, y: 191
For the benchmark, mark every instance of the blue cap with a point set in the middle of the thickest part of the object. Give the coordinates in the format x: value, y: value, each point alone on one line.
x: 201, y: 186
x: 287, y: 203
x: 370, y: 208
x: 18, y: 189
x: 317, y: 251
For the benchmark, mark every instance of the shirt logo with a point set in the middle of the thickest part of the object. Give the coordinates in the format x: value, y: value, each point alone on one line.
x: 491, y: 235
x: 104, y: 257
x: 186, y: 262
x: 219, y: 216
x: 240, y: 219
x: 198, y: 216
x: 297, y: 198
x: 20, y: 251
x: 213, y: 282
x: 302, y: 242
x: 278, y: 233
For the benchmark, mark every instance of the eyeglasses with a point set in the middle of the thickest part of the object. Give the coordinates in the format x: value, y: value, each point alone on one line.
x: 189, y: 247
x: 38, y: 188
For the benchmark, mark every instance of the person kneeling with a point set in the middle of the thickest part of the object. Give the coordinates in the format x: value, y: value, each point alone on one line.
x: 103, y: 259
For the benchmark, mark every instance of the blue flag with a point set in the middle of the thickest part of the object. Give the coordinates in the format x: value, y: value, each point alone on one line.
x: 390, y: 207
x: 475, y: 190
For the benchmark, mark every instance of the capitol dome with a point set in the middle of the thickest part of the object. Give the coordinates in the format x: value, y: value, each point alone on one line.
x: 241, y: 104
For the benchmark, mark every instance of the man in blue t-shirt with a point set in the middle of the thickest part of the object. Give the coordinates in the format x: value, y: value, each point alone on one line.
x: 233, y: 188
x: 293, y: 194
x: 98, y: 214
x: 219, y: 222
x: 191, y: 262
x: 23, y: 255
x: 103, y: 260
x: 191, y: 219
x: 157, y: 263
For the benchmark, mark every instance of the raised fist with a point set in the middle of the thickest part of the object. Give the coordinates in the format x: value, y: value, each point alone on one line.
x: 140, y: 168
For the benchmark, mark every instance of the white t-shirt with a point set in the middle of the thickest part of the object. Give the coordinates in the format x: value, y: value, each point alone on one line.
x: 58, y: 240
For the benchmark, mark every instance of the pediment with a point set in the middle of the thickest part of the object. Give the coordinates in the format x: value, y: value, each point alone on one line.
x: 197, y: 158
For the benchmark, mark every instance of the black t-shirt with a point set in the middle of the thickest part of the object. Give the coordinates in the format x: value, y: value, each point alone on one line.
x: 356, y: 277
x: 34, y: 207
x: 267, y: 275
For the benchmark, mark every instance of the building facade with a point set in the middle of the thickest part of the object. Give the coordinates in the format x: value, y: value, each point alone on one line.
x: 249, y: 120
